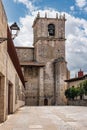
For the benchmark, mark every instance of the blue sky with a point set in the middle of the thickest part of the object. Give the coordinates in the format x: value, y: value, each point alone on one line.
x: 24, y: 12
x: 13, y: 10
x: 16, y: 8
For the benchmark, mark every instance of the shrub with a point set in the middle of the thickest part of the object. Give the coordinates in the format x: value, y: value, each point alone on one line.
x: 85, y: 87
x: 71, y: 93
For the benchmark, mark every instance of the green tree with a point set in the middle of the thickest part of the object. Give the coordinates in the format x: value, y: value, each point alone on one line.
x: 81, y: 91
x: 85, y: 86
x: 67, y: 93
x: 71, y: 93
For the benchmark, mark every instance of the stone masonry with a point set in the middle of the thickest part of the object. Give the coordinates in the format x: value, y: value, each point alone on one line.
x: 44, y: 66
x: 10, y: 82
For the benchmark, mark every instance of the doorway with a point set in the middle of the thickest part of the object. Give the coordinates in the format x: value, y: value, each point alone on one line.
x: 45, y: 101
x: 2, y: 95
x: 10, y: 98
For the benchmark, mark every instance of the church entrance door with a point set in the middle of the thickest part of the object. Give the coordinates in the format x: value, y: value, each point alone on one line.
x: 45, y: 101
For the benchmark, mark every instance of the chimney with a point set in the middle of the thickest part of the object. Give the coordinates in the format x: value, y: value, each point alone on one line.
x: 80, y: 73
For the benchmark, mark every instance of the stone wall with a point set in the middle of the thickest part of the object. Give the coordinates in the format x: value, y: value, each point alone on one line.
x: 3, y: 56
x: 16, y: 85
x: 25, y: 54
x: 8, y: 102
x: 41, y: 86
x: 46, y: 50
x: 60, y: 67
x: 49, y: 83
x: 78, y: 103
x: 40, y: 27
x: 31, y: 75
x: 49, y: 47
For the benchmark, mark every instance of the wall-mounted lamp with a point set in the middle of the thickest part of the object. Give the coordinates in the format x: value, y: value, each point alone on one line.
x: 14, y: 32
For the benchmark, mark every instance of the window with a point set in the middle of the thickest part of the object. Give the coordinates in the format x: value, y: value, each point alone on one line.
x: 51, y: 29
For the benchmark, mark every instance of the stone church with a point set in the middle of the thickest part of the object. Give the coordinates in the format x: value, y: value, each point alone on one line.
x: 44, y: 65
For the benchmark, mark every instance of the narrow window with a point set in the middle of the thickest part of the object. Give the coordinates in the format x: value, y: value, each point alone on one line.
x: 51, y: 29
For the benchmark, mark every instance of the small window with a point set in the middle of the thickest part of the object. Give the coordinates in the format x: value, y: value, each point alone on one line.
x: 51, y: 29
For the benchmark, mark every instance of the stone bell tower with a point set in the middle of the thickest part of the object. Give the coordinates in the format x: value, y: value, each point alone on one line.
x: 49, y: 37
x: 49, y: 43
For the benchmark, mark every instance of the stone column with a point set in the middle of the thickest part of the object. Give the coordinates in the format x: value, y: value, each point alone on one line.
x: 60, y: 76
x: 41, y: 86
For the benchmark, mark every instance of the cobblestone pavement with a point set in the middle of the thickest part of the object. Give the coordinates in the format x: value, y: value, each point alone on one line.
x: 47, y: 118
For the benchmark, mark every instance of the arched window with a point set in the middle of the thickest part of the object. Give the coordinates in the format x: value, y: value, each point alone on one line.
x: 51, y: 29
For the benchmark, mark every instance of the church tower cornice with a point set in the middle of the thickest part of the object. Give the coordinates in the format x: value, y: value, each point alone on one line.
x: 59, y: 17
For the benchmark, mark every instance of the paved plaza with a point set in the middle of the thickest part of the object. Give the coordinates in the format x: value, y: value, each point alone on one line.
x: 47, y: 118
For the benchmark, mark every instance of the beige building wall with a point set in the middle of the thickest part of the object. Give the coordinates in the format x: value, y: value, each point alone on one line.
x: 3, y: 57
x: 16, y: 84
x: 8, y: 101
x: 74, y: 83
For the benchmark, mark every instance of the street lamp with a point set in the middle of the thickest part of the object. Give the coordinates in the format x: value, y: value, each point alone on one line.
x: 14, y: 32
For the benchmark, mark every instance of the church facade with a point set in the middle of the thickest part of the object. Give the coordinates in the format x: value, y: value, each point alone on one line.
x: 44, y: 65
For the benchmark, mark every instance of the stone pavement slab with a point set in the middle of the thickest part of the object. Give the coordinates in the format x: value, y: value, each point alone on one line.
x: 47, y: 118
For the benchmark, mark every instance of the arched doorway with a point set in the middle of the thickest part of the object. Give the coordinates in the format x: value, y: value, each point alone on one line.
x: 45, y: 101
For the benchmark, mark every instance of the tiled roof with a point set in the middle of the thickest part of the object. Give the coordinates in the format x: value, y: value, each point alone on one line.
x: 32, y: 64
x: 76, y: 79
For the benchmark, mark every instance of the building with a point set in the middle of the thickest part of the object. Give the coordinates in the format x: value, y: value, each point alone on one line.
x: 44, y: 65
x: 11, y: 78
x: 76, y: 80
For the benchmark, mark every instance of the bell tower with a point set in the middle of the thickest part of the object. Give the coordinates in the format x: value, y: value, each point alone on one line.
x: 49, y: 48
x: 49, y: 37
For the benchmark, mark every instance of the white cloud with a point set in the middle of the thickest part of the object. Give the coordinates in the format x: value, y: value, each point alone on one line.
x: 81, y: 3
x: 72, y: 8
x: 28, y: 3
x: 25, y: 37
x: 85, y: 9
x: 76, y: 44
x: 76, y: 34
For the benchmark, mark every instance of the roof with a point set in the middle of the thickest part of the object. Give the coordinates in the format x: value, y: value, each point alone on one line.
x: 32, y: 64
x: 14, y: 58
x: 76, y: 79
x: 21, y: 47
